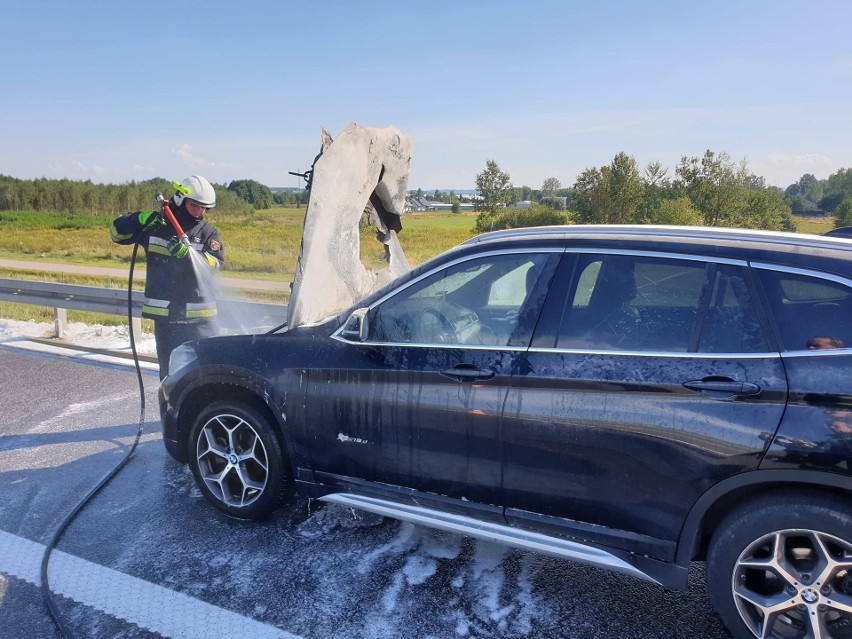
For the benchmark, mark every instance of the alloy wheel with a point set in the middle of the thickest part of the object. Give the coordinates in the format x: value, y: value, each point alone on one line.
x: 232, y: 460
x: 795, y: 584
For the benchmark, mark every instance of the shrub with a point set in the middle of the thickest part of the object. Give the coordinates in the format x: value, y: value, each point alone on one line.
x: 536, y: 215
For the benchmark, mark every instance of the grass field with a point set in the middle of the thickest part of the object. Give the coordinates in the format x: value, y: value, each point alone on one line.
x: 263, y: 245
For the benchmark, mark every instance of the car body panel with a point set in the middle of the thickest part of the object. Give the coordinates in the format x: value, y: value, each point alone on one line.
x: 816, y: 432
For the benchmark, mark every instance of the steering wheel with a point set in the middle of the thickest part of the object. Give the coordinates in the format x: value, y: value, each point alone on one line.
x: 435, y: 328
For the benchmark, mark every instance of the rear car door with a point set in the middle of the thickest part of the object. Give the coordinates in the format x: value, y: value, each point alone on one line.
x: 648, y: 380
x: 416, y: 405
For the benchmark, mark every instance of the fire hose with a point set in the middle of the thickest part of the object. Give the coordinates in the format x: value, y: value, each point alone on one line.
x: 47, y: 594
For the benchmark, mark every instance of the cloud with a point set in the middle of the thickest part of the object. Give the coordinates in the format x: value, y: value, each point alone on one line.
x: 184, y: 152
x: 83, y: 168
x: 803, y: 159
x: 139, y: 168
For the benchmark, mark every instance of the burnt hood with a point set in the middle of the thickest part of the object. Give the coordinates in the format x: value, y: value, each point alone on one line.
x: 364, y: 170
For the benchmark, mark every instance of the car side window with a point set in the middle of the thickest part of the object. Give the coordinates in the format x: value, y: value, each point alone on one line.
x: 810, y: 313
x: 633, y: 303
x: 475, y: 302
x: 648, y: 304
x: 730, y: 323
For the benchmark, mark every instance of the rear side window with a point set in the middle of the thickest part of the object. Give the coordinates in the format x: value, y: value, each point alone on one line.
x: 647, y: 304
x: 633, y: 303
x: 810, y: 313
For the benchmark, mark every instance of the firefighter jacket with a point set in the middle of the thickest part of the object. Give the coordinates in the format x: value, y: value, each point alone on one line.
x: 174, y: 291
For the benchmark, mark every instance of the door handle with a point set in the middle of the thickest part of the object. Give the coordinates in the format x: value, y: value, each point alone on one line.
x: 467, y: 373
x: 723, y: 386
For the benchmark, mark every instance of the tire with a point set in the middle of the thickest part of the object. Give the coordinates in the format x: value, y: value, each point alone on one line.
x: 237, y: 461
x: 782, y: 568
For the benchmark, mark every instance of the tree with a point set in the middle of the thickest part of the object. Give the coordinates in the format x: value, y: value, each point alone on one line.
x: 655, y: 175
x: 550, y: 186
x: 610, y: 195
x: 495, y: 190
x: 712, y: 183
x: 253, y: 192
x: 798, y: 203
x: 521, y: 194
x: 843, y: 213
x: 766, y: 209
x: 839, y: 182
x: 553, y: 202
x: 830, y: 202
x: 657, y: 191
x: 808, y: 188
x: 535, y: 215
x: 678, y: 212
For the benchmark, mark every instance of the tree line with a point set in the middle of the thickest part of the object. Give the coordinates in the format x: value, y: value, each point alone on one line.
x: 78, y: 196
x: 710, y: 190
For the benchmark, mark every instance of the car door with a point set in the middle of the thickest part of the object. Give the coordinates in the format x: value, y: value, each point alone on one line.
x: 649, y: 379
x: 416, y: 402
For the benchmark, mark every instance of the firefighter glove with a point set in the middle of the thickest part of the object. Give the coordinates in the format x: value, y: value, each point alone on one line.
x: 178, y: 249
x: 150, y: 219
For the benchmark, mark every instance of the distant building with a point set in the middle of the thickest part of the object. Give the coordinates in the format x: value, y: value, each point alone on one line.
x: 414, y: 204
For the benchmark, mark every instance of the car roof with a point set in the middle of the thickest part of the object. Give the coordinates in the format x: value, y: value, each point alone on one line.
x: 830, y: 253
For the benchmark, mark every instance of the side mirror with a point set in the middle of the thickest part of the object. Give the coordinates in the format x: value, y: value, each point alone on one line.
x: 357, y: 326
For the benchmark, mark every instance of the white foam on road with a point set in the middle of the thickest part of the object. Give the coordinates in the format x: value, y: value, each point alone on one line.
x: 147, y: 605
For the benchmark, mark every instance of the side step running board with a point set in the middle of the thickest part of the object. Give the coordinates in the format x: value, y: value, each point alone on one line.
x: 489, y: 531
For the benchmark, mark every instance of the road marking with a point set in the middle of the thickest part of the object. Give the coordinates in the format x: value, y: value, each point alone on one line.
x: 140, y: 602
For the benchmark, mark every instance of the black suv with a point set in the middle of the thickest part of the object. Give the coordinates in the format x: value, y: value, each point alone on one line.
x: 630, y: 397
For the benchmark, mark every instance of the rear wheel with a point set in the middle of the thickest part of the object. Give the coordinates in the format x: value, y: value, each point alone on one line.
x: 237, y: 460
x: 782, y: 569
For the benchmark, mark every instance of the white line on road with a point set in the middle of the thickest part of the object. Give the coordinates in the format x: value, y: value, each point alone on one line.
x: 149, y: 606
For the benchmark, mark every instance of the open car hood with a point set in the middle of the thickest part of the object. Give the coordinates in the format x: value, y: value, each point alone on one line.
x: 364, y: 169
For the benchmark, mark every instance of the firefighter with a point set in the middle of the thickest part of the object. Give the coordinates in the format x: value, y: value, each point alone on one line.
x: 178, y: 291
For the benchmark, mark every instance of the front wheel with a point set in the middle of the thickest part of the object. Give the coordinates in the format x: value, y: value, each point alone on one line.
x: 782, y: 569
x: 237, y: 460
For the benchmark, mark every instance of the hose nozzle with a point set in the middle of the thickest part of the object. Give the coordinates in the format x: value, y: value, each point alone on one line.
x: 164, y: 207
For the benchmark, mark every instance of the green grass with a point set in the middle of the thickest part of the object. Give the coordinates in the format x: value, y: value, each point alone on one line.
x: 263, y: 245
x: 814, y: 225
x: 264, y: 242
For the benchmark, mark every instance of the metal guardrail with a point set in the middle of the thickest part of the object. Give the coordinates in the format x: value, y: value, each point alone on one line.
x: 238, y: 315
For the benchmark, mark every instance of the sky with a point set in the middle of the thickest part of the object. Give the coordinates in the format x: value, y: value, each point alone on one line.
x: 121, y: 91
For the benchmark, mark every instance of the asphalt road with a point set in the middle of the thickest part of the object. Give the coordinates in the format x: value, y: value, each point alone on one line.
x: 149, y: 558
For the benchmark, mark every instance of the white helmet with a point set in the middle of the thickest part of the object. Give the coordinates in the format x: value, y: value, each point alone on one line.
x: 197, y: 189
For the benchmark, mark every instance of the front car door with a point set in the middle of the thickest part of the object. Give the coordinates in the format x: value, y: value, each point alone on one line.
x: 648, y: 380
x: 416, y: 404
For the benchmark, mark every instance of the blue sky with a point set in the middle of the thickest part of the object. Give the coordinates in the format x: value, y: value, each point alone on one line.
x: 119, y: 91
